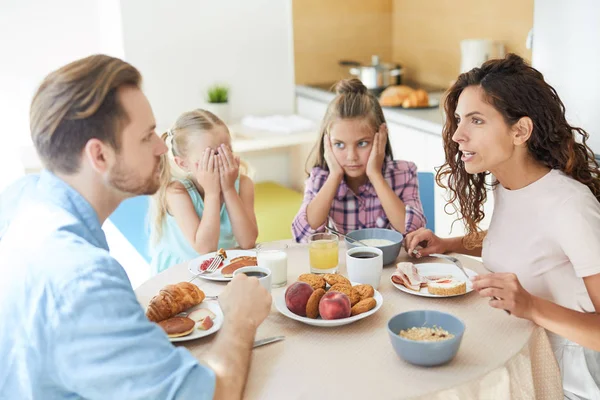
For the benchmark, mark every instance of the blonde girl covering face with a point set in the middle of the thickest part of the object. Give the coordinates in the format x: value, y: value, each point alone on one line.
x: 204, y: 200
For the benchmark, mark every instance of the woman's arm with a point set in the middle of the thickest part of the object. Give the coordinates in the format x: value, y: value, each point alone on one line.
x: 579, y: 327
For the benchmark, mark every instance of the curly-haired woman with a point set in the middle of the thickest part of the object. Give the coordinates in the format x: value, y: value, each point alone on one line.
x: 506, y: 130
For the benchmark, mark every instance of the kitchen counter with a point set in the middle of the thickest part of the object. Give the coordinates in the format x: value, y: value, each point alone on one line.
x: 429, y: 120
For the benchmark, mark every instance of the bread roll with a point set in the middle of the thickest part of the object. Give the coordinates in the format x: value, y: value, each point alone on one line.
x: 418, y: 98
x: 394, y: 96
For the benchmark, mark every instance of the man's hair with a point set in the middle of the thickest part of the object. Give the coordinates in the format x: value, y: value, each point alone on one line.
x: 76, y: 103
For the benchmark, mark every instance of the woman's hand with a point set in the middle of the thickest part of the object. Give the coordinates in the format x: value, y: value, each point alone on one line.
x: 207, y: 172
x: 506, y: 293
x: 423, y: 242
x: 377, y: 156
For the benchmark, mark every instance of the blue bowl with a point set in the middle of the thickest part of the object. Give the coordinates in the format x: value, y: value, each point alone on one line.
x: 390, y: 252
x: 426, y: 354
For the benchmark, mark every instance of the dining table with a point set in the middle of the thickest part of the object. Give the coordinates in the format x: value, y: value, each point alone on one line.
x: 500, y: 357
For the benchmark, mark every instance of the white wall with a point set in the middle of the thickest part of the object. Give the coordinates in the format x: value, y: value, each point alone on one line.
x: 36, y: 37
x: 565, y: 49
x: 182, y: 47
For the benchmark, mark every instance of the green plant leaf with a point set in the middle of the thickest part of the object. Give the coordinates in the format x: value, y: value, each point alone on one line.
x: 218, y: 94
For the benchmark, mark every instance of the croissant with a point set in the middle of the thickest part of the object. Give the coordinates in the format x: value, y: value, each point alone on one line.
x: 173, y: 299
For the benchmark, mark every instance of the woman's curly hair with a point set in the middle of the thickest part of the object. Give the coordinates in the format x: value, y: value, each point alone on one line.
x: 516, y: 90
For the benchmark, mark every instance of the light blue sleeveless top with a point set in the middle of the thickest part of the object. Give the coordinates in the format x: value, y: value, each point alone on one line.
x: 173, y: 248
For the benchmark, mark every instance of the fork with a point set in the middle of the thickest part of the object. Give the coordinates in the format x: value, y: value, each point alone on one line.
x: 214, y: 264
x: 454, y: 260
x: 457, y: 262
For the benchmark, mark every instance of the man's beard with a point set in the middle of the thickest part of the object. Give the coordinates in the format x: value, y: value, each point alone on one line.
x: 129, y: 181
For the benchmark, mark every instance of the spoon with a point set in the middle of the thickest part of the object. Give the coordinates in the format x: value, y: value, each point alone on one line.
x: 347, y: 237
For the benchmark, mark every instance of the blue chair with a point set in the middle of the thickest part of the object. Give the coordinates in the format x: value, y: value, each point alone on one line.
x: 131, y: 218
x: 427, y: 194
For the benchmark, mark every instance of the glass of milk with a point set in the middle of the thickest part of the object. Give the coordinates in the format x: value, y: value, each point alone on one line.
x: 274, y: 257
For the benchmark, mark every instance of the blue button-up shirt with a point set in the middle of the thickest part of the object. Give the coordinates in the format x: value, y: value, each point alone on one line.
x: 70, y: 324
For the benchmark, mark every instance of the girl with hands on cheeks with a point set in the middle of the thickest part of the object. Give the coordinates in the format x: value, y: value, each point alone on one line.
x: 506, y: 130
x: 205, y: 202
x: 355, y: 182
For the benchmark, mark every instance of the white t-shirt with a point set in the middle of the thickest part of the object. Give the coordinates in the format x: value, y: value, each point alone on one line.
x: 548, y: 234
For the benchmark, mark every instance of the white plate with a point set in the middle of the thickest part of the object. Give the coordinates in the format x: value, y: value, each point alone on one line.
x: 199, y: 333
x: 438, y: 269
x: 282, y: 308
x: 194, y: 265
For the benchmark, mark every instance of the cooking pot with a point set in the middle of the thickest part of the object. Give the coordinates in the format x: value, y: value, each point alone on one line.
x: 376, y: 76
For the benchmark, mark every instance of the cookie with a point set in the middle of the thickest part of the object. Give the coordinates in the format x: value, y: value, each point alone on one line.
x: 363, y: 306
x: 314, y: 280
x: 333, y: 279
x: 312, y: 306
x: 365, y: 291
x: 348, y: 291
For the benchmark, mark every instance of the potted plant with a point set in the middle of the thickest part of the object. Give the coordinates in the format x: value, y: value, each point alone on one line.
x: 218, y: 101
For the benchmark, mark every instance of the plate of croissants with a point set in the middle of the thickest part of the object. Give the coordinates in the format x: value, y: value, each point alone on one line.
x: 181, y: 312
x: 402, y: 96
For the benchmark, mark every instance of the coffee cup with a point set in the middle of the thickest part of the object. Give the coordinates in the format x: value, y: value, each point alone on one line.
x: 263, y: 275
x: 365, y: 265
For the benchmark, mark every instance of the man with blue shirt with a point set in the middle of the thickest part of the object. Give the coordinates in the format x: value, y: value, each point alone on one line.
x: 70, y: 324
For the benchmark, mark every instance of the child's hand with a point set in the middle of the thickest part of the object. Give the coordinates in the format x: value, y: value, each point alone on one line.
x: 207, y: 172
x: 335, y: 170
x: 377, y: 155
x: 229, y: 168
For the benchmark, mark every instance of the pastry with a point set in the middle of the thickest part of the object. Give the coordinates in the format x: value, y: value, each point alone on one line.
x: 314, y: 280
x: 177, y: 326
x: 173, y: 299
x: 363, y: 306
x: 312, y: 307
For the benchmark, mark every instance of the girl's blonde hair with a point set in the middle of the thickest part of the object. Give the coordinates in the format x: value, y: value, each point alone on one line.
x: 179, y: 140
x: 352, y: 100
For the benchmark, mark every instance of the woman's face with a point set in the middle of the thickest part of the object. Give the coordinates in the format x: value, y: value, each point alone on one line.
x: 486, y: 142
x: 351, y: 142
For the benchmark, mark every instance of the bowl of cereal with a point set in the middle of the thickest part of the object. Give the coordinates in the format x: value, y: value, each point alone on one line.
x: 426, y: 337
x: 386, y: 240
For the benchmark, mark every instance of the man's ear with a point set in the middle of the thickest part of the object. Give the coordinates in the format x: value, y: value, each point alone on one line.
x: 522, y: 130
x: 100, y: 155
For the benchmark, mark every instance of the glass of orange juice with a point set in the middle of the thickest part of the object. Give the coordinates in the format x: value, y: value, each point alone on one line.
x: 323, y: 253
